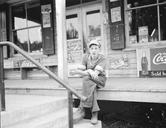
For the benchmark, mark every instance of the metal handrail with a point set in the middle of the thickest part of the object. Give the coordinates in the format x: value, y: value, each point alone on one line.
x: 47, y: 71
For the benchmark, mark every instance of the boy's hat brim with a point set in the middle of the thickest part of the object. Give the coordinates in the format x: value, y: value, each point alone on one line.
x: 94, y: 42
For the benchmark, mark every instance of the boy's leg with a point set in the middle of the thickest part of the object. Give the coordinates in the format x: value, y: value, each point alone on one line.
x: 94, y: 119
x: 95, y: 106
x: 88, y: 91
x: 95, y: 109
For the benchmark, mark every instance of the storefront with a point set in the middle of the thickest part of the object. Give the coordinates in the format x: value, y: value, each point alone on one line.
x: 125, y: 30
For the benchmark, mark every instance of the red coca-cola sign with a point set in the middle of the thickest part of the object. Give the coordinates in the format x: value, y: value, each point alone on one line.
x: 158, y: 59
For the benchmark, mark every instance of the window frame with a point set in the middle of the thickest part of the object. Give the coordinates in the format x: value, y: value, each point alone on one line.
x: 147, y: 44
x: 12, y: 30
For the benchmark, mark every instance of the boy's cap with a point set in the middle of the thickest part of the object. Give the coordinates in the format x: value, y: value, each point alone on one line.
x: 94, y: 42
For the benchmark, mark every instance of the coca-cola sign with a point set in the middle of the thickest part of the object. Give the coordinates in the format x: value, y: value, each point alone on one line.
x: 158, y: 59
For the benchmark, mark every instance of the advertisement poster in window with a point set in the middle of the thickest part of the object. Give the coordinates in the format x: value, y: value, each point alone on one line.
x: 151, y: 62
x: 143, y: 34
x: 74, y: 51
x: 116, y: 14
x: 158, y: 59
x: 46, y: 10
x: 143, y: 62
x: 117, y: 32
x: 72, y: 28
x: 74, y: 55
x: 117, y: 63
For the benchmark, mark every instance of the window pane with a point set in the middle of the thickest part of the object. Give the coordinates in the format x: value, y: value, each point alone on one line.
x: 143, y: 25
x: 136, y: 3
x: 72, y: 2
x: 21, y: 39
x: 18, y: 17
x: 85, y: 1
x: 162, y: 0
x: 72, y: 27
x: 33, y: 13
x: 35, y: 39
x: 93, y: 23
x: 163, y: 21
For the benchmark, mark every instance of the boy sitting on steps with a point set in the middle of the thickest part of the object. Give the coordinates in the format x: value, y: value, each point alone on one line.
x: 93, y: 72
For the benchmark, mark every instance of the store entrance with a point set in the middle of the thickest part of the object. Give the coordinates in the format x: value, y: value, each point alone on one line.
x: 83, y: 24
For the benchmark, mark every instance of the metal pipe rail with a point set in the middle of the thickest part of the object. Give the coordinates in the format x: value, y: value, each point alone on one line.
x: 47, y: 71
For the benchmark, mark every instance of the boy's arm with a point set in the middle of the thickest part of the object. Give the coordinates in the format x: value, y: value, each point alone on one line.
x: 93, y: 73
x: 79, y: 72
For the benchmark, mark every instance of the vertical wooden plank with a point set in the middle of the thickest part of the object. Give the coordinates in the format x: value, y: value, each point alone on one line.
x: 2, y: 89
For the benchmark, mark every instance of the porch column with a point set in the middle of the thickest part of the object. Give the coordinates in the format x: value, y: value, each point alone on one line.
x: 62, y: 52
x: 61, y: 38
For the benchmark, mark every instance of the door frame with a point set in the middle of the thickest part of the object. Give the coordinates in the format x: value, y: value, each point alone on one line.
x: 81, y: 12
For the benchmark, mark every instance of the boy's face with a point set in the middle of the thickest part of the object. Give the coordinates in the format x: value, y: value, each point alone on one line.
x: 94, y: 50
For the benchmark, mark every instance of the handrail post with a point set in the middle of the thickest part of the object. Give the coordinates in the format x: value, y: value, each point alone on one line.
x: 2, y: 88
x: 70, y: 109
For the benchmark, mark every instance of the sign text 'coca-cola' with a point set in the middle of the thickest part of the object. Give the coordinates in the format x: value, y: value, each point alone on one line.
x: 158, y: 59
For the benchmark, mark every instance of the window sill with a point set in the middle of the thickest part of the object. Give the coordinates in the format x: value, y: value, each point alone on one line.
x: 157, y: 44
x: 35, y: 55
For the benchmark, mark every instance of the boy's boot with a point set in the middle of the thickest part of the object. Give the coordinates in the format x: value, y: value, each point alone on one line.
x: 79, y: 114
x: 94, y: 118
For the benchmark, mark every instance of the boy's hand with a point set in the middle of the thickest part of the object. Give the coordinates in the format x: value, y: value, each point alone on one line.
x: 93, y: 74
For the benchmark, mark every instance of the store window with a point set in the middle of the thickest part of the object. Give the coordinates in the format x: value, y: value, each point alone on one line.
x: 146, y: 21
x: 72, y: 30
x: 26, y: 26
x: 77, y: 2
x: 93, y: 28
x: 163, y: 21
x: 162, y: 1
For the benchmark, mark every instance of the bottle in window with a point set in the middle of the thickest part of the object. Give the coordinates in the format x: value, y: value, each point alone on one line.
x: 144, y: 64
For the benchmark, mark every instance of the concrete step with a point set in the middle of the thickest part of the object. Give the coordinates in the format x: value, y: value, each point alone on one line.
x: 41, y: 83
x: 20, y: 108
x: 47, y: 87
x: 87, y: 124
x: 32, y: 111
x: 58, y: 119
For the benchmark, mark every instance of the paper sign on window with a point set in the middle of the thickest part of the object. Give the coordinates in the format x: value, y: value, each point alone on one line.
x: 116, y: 14
x: 46, y: 10
x: 143, y: 34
